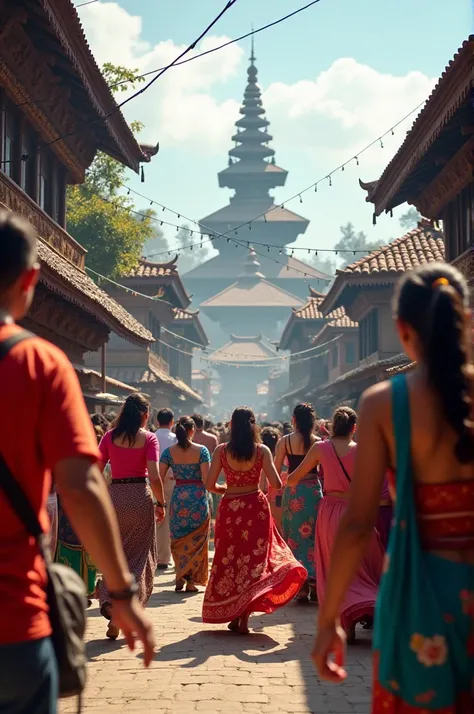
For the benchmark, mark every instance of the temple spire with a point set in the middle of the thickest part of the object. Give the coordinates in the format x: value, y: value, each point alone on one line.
x: 252, y: 137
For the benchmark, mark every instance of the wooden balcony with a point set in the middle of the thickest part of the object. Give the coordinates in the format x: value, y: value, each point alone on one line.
x: 16, y: 200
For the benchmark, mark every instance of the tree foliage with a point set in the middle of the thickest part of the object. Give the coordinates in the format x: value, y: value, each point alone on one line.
x: 409, y: 219
x: 352, y: 240
x: 99, y: 217
x: 189, y: 257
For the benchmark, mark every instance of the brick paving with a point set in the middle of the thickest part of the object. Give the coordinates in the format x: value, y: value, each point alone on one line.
x: 205, y: 668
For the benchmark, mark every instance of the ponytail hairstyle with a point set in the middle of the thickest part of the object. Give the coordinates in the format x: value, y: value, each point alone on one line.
x: 244, y: 434
x: 433, y: 299
x: 344, y: 420
x: 183, y: 429
x: 305, y: 420
x: 130, y: 417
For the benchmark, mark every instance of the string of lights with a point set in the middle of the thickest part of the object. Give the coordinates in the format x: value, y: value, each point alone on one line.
x: 137, y: 293
x: 219, y: 47
x: 212, y: 236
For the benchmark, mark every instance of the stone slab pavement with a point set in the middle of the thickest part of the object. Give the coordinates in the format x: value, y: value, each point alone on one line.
x: 205, y: 668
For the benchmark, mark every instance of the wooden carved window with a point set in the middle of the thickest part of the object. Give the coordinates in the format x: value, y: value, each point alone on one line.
x: 27, y: 167
x: 10, y: 130
x: 369, y: 334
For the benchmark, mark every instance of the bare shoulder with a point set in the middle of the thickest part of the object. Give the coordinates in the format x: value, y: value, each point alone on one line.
x: 376, y: 400
x: 218, y: 450
x: 265, y: 451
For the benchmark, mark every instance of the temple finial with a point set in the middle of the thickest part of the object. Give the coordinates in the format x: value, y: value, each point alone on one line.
x: 252, y: 53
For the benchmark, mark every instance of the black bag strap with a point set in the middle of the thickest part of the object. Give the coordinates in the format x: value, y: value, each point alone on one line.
x: 341, y: 464
x: 13, y: 491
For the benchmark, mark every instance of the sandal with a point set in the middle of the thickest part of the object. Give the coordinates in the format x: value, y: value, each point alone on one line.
x: 179, y: 585
x: 190, y: 587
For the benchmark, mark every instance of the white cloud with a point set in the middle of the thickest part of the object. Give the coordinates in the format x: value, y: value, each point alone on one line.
x: 324, y: 119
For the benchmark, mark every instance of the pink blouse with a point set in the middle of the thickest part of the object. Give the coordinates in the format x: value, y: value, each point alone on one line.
x: 127, y: 462
x: 334, y: 477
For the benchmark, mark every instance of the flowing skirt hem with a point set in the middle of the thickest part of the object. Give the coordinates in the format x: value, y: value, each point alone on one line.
x: 355, y: 613
x: 193, y: 562
x: 266, y: 596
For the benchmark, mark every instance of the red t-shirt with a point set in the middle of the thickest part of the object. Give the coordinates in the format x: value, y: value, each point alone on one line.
x: 43, y: 420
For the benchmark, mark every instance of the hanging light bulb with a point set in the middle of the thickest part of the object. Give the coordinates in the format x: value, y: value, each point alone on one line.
x: 250, y: 226
x: 268, y: 248
x: 342, y: 168
x: 357, y: 160
x: 265, y: 217
x: 330, y: 180
x: 280, y: 252
x: 128, y: 192
x: 393, y: 132
x: 151, y: 203
x: 191, y: 234
x: 164, y: 209
x: 315, y: 188
x: 179, y: 216
x: 381, y: 144
x: 301, y: 200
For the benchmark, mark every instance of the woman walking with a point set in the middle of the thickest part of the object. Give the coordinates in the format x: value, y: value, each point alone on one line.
x: 253, y: 568
x: 337, y: 458
x: 420, y: 426
x: 189, y: 508
x: 301, y: 502
x: 133, y: 454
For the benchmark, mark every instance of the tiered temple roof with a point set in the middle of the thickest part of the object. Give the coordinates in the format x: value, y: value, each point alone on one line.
x: 310, y: 311
x: 252, y: 290
x: 244, y: 349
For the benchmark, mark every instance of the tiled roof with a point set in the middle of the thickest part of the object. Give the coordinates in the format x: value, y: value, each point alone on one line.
x: 255, y: 293
x: 338, y: 318
x: 392, y: 371
x: 149, y: 269
x: 65, y: 278
x: 310, y: 310
x: 184, y: 315
x: 243, y: 349
x: 86, y: 371
x: 418, y: 247
x: 151, y: 375
x: 189, y: 319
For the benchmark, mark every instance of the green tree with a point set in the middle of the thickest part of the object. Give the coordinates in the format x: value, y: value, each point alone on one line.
x: 409, y: 220
x: 189, y: 257
x: 325, y: 265
x: 101, y: 218
x: 351, y: 244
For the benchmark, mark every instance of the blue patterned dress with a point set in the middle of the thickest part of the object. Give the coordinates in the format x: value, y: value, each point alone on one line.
x: 189, y: 519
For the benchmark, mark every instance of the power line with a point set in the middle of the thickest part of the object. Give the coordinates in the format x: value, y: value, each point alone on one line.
x: 90, y: 2
x: 220, y: 47
x: 117, y: 107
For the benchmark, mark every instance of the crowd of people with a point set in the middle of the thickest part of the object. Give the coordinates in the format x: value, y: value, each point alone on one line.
x: 371, y: 514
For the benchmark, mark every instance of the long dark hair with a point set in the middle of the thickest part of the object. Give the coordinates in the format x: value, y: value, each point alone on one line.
x: 305, y: 419
x: 129, y: 419
x: 244, y: 434
x: 183, y: 428
x: 344, y: 420
x: 432, y: 299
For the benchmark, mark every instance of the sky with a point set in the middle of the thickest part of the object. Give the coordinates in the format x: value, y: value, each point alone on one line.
x: 333, y: 78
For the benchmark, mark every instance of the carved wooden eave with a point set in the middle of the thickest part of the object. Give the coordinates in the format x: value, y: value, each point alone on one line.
x: 48, y: 69
x: 450, y: 93
x: 455, y: 176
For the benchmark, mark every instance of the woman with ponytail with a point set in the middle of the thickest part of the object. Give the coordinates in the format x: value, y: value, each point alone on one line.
x: 133, y: 454
x: 300, y: 503
x: 189, y: 507
x: 253, y: 569
x: 420, y: 427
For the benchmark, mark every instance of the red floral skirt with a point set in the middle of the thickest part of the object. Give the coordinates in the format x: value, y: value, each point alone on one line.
x: 253, y: 569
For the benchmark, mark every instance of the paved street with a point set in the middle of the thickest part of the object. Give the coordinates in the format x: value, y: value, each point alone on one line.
x: 203, y: 668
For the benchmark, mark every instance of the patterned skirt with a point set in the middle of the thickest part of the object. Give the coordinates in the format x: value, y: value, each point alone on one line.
x: 69, y: 551
x: 133, y: 504
x: 253, y: 568
x: 190, y: 529
x: 300, y: 510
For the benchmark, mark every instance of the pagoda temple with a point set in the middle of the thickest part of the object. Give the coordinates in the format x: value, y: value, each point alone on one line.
x: 251, y: 173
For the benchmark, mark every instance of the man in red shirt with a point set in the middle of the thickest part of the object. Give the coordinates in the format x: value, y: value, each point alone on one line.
x: 45, y: 432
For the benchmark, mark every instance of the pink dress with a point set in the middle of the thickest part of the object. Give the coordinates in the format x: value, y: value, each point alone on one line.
x: 359, y: 602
